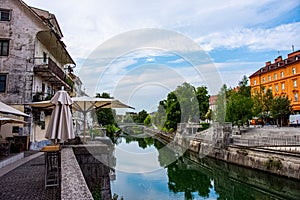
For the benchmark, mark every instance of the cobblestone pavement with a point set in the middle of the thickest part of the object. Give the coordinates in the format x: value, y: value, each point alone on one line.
x: 27, y: 182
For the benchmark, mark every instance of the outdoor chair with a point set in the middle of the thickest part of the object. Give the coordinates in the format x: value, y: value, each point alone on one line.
x: 5, y: 148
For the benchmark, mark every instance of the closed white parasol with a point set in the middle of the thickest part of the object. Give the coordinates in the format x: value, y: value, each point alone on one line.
x: 60, y: 125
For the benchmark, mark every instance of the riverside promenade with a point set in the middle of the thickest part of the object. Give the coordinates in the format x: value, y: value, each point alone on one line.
x: 25, y: 179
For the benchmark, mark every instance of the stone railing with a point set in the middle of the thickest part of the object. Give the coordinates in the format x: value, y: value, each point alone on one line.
x: 73, y: 185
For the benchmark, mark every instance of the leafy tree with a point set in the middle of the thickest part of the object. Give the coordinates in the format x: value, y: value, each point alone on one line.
x: 220, y: 112
x: 257, y: 104
x: 262, y: 103
x: 189, y: 106
x: 281, y: 109
x: 160, y: 116
x: 239, y: 104
x: 244, y: 88
x: 148, y: 120
x: 105, y: 116
x: 128, y: 118
x: 267, y: 103
x: 203, y: 101
x: 238, y: 109
x: 172, y: 111
x: 140, y: 117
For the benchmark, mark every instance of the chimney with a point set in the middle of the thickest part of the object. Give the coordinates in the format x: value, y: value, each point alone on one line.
x: 268, y: 63
x: 290, y: 55
x: 278, y: 59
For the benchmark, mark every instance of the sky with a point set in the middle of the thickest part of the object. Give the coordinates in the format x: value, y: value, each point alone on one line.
x: 139, y: 51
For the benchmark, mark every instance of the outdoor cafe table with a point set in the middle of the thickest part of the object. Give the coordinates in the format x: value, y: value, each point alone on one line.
x: 52, y: 161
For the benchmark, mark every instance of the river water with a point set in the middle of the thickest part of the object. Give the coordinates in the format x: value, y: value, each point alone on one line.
x: 147, y: 169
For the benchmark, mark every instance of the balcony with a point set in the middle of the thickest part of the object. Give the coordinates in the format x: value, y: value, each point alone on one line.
x: 49, y: 71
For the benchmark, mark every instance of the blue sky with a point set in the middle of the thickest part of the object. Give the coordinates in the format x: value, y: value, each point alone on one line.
x: 235, y: 38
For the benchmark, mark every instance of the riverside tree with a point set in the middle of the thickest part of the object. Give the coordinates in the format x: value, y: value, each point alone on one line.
x: 281, y: 109
x: 182, y: 104
x: 239, y: 105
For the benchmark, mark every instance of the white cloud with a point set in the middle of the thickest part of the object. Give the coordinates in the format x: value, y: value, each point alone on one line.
x: 87, y: 25
x: 280, y: 37
x: 211, y: 23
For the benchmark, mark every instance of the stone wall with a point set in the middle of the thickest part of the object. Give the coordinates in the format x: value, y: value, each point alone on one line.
x: 94, y: 161
x: 215, y: 143
x: 73, y: 185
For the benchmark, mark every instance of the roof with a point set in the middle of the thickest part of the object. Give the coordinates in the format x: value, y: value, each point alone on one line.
x: 278, y: 64
x: 49, y: 19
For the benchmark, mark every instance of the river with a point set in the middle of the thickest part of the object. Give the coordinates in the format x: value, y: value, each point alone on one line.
x: 146, y: 169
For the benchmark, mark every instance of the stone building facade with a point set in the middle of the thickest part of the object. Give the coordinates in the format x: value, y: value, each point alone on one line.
x: 34, y: 61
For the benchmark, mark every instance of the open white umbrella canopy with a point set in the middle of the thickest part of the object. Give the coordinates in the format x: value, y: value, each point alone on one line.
x: 86, y: 104
x: 6, y: 109
x: 60, y: 125
x: 8, y: 120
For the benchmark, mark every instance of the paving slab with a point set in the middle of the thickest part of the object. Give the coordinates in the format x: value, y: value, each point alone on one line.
x: 26, y: 181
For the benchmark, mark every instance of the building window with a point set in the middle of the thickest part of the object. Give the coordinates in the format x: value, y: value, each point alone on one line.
x: 296, y: 97
x: 270, y: 88
x: 295, y: 83
x: 3, y: 83
x: 4, y: 45
x: 254, y: 82
x: 281, y: 74
x: 4, y: 15
x: 265, y: 90
x: 276, y: 87
x: 275, y: 76
x: 269, y: 78
x: 282, y: 86
x: 294, y: 70
x: 263, y: 80
x: 44, y: 58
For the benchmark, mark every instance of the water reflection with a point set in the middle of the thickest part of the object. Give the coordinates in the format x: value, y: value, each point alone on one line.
x: 192, y: 178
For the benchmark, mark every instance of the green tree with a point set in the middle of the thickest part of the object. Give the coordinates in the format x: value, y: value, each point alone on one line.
x: 281, y: 109
x: 239, y: 104
x: 160, y: 116
x: 172, y: 112
x: 220, y: 112
x: 105, y: 116
x: 238, y: 110
x: 244, y: 88
x: 203, y: 101
x: 148, y: 121
x: 140, y: 117
x: 189, y: 106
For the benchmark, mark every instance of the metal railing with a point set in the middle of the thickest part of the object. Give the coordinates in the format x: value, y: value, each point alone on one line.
x: 268, y: 141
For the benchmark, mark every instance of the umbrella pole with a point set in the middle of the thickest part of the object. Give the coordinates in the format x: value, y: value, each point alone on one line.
x: 84, y: 124
x: 84, y: 128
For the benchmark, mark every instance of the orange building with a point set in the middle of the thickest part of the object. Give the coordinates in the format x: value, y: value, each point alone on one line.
x: 281, y: 77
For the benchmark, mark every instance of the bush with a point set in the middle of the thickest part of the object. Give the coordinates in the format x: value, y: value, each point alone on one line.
x: 273, y: 163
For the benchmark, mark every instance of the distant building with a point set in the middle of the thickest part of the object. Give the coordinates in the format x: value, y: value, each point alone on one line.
x: 34, y: 61
x: 281, y: 77
x: 213, y: 102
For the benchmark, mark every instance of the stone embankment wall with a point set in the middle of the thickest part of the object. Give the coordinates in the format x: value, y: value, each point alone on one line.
x: 216, y: 142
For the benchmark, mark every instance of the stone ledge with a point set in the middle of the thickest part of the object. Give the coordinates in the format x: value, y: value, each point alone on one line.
x: 11, y: 159
x: 73, y: 185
